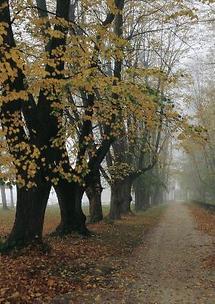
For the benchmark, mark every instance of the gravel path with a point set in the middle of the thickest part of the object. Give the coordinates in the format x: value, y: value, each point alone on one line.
x: 170, y: 263
x: 168, y: 267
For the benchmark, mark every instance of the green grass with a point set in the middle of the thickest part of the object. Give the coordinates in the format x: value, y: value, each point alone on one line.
x: 211, y: 203
x: 52, y: 217
x: 54, y: 209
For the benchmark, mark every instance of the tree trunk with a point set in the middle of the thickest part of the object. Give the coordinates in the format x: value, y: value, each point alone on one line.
x: 11, y: 197
x: 142, y: 197
x: 145, y: 199
x: 120, y: 198
x: 30, y: 211
x: 115, y: 201
x: 127, y: 198
x: 138, y: 197
x: 3, y: 197
x: 93, y: 192
x: 70, y: 200
x: 157, y: 196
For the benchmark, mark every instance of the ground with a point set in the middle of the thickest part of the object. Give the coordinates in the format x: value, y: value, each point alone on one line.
x: 164, y: 256
x: 74, y: 265
x: 172, y: 263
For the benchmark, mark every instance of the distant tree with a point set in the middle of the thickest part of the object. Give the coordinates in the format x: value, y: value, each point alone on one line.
x: 3, y: 197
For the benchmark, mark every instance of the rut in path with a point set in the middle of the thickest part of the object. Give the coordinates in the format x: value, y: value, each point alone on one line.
x: 170, y: 263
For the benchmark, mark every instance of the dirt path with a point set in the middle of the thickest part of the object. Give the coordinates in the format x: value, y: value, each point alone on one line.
x: 170, y: 263
x: 168, y: 268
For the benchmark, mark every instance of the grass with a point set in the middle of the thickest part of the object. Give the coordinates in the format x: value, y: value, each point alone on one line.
x: 52, y: 218
x: 205, y: 219
x: 74, y: 264
x: 212, y: 203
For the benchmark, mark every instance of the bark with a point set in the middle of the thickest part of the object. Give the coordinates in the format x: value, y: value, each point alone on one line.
x: 70, y: 200
x: 11, y: 197
x: 30, y: 211
x: 115, y: 201
x: 3, y: 197
x: 142, y: 198
x: 138, y: 197
x: 146, y: 200
x: 142, y: 194
x: 93, y: 192
x: 127, y: 198
x: 120, y: 198
x: 157, y: 196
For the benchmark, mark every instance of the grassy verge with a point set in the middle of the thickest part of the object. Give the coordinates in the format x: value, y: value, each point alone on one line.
x: 52, y: 218
x: 204, y: 218
x: 209, y: 205
x: 74, y: 264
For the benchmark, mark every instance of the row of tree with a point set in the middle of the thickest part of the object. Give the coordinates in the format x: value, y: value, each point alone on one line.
x: 197, y: 172
x: 86, y: 89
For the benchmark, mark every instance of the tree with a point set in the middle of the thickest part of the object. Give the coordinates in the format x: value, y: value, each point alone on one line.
x: 61, y: 107
x: 11, y: 196
x: 93, y: 192
x: 45, y: 161
x: 3, y: 197
x: 143, y: 134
